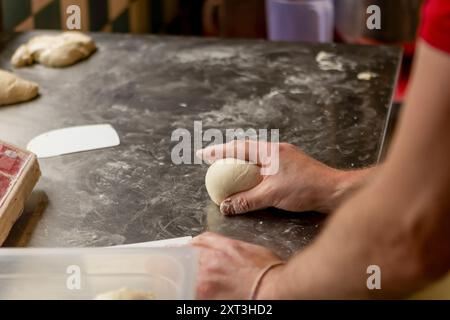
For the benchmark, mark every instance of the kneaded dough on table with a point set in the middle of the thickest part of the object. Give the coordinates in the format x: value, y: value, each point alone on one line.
x: 60, y: 50
x: 14, y: 89
x: 228, y: 176
x: 126, y: 294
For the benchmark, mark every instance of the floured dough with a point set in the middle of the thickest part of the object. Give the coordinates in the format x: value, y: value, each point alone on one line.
x: 59, y: 50
x: 126, y: 294
x: 14, y: 89
x: 367, y: 75
x: 229, y: 176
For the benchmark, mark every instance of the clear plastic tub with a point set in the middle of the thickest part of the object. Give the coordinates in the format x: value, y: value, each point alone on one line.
x: 300, y: 20
x: 86, y: 273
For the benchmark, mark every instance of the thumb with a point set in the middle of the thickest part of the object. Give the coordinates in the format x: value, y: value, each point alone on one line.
x: 242, y: 202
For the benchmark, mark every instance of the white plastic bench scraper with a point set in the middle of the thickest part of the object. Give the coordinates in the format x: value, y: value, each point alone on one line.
x: 167, y: 243
x: 73, y: 139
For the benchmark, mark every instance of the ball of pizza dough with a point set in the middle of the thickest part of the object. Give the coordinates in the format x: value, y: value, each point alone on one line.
x: 228, y: 176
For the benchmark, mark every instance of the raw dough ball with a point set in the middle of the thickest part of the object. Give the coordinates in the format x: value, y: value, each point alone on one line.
x: 14, y: 89
x: 54, y: 51
x: 126, y: 294
x: 229, y: 176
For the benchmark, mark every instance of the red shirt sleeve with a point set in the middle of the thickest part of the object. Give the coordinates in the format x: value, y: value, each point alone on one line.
x: 435, y: 26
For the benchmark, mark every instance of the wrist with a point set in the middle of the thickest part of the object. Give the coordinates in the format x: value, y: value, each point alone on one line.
x: 269, y: 286
x: 342, y: 185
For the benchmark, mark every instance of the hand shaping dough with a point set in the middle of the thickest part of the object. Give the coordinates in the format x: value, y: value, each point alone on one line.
x: 60, y: 50
x: 14, y: 89
x: 126, y: 294
x: 229, y: 176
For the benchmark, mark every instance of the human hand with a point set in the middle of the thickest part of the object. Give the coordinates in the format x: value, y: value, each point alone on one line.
x: 300, y: 184
x: 230, y: 269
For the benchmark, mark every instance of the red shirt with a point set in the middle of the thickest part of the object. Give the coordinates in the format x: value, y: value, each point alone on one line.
x: 435, y: 26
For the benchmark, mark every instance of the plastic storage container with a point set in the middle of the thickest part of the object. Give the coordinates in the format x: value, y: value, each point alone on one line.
x: 300, y: 20
x: 85, y: 273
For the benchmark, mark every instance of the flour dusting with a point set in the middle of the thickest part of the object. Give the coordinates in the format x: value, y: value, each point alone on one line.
x: 327, y: 61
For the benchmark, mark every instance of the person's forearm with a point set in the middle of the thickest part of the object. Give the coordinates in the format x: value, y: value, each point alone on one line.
x: 334, y: 266
x: 342, y: 185
x: 399, y: 221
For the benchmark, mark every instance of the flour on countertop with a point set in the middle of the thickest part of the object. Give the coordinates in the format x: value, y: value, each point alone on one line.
x: 327, y: 61
x: 367, y: 75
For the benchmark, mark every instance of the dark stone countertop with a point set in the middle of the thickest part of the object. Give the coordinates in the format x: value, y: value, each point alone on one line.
x: 146, y: 87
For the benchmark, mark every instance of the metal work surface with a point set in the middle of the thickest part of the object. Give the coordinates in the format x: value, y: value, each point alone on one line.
x: 148, y: 86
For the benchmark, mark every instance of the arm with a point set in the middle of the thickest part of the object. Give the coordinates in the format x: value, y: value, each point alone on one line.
x: 400, y: 221
x: 301, y: 183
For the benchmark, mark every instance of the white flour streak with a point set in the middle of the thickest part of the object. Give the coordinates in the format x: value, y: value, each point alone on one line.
x: 327, y: 61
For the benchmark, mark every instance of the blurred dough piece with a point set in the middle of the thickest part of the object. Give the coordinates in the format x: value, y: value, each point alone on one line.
x: 61, y: 50
x: 14, y: 89
x: 367, y: 75
x: 126, y: 294
x: 226, y: 177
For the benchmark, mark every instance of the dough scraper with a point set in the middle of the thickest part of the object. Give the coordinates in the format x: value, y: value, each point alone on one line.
x: 73, y: 139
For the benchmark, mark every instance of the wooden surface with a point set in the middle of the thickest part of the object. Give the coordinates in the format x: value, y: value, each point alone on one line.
x: 20, y: 189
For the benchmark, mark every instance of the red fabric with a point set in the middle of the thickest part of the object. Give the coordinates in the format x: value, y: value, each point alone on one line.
x: 435, y: 27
